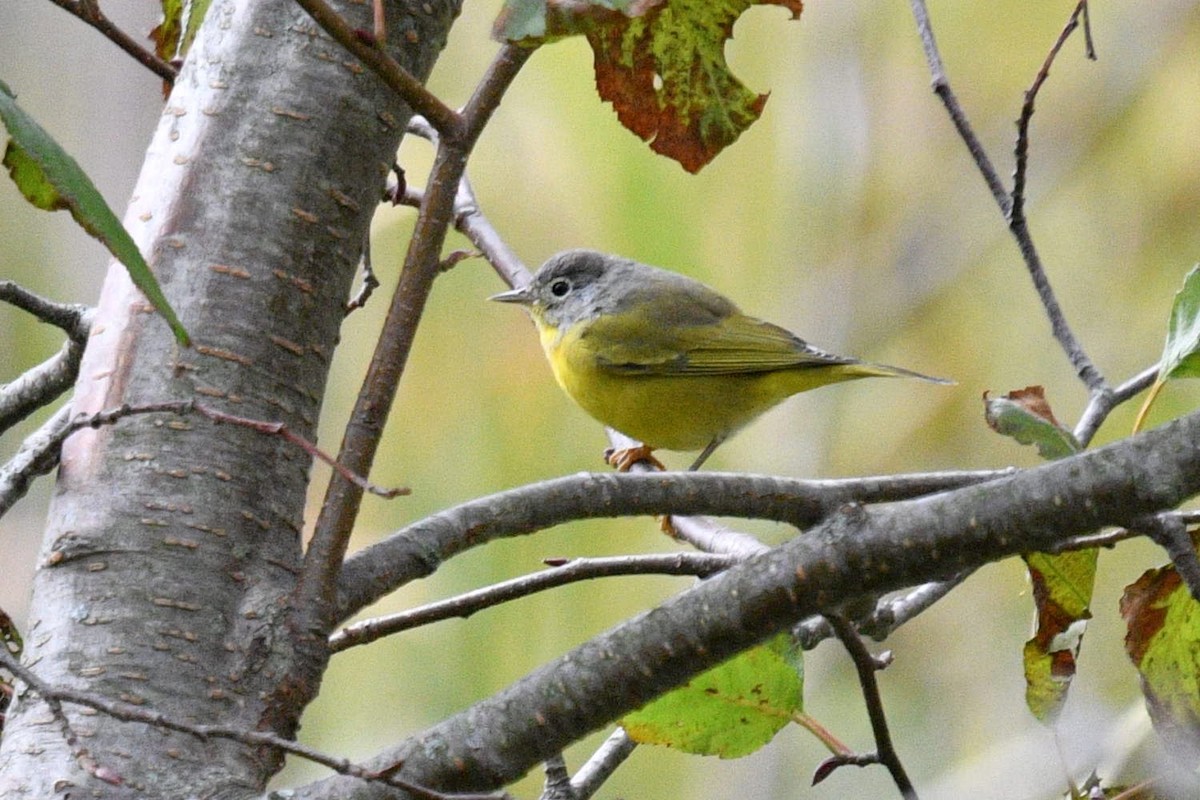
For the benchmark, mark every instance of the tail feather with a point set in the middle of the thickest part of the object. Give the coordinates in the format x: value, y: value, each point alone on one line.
x: 866, y: 369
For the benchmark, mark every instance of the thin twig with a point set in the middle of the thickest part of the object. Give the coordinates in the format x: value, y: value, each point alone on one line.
x: 1169, y: 533
x: 572, y: 571
x: 39, y: 453
x: 317, y: 588
x: 90, y: 13
x: 282, y: 430
x: 469, y: 219
x: 867, y: 665
x: 942, y: 88
x: 424, y: 102
x: 471, y: 222
x: 37, y: 456
x: 1017, y: 211
x: 369, y: 283
x: 126, y: 712
x: 1017, y: 226
x: 1101, y: 403
x: 1089, y: 44
x: 74, y: 319
x: 558, y: 780
x: 889, y: 614
x: 41, y: 385
x: 602, y: 764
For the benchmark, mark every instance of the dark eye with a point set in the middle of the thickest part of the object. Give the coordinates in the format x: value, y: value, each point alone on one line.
x: 560, y: 287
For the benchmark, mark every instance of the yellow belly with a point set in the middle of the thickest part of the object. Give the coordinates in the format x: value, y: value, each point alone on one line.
x: 677, y: 412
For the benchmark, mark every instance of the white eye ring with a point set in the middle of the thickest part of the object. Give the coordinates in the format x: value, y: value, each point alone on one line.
x: 560, y: 287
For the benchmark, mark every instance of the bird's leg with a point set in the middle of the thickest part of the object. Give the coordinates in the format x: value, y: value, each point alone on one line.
x: 626, y: 457
x: 706, y: 452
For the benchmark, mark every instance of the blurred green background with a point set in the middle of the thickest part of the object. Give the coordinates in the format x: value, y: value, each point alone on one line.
x: 850, y: 213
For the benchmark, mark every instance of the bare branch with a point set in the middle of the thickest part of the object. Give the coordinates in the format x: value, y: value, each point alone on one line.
x: 74, y: 319
x: 369, y: 283
x: 40, y: 386
x: 449, y: 122
x: 571, y: 571
x: 603, y: 763
x: 37, y: 456
x: 856, y: 552
x: 889, y: 614
x: 1102, y: 402
x: 1011, y: 206
x: 558, y: 780
x: 418, y: 549
x: 90, y: 13
x: 127, y: 712
x: 866, y: 666
x: 942, y: 88
x: 1169, y: 533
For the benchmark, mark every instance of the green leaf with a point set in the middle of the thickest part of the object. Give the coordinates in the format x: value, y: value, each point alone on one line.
x: 1180, y: 358
x: 1025, y: 416
x: 1062, y: 592
x: 1163, y: 640
x: 661, y: 63
x: 1063, y: 583
x: 1181, y: 352
x: 173, y: 36
x: 50, y: 179
x: 732, y: 709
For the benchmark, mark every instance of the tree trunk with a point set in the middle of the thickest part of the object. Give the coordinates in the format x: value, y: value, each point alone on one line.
x: 173, y: 543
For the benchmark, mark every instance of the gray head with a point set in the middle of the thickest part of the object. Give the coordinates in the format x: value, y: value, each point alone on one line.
x: 581, y: 284
x: 577, y: 284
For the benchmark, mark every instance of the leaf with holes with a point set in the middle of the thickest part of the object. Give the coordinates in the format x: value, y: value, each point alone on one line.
x: 661, y: 63
x: 1062, y: 593
x: 1162, y: 640
x: 1062, y: 583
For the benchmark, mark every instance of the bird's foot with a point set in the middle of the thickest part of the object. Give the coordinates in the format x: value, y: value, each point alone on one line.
x: 625, y: 457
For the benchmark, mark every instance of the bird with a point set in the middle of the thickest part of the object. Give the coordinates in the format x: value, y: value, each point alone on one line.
x: 665, y: 359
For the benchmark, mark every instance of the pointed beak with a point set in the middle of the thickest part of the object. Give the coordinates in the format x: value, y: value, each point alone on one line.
x: 520, y: 296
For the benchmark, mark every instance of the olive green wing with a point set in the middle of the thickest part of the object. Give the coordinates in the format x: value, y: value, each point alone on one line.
x: 741, y: 344
x: 689, y: 338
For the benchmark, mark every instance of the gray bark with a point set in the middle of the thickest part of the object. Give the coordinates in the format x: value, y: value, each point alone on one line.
x: 173, y: 543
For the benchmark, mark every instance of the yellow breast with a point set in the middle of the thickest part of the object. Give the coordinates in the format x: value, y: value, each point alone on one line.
x: 674, y: 412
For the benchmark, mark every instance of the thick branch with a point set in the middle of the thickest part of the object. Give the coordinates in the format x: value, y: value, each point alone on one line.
x: 419, y: 549
x: 857, y: 552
